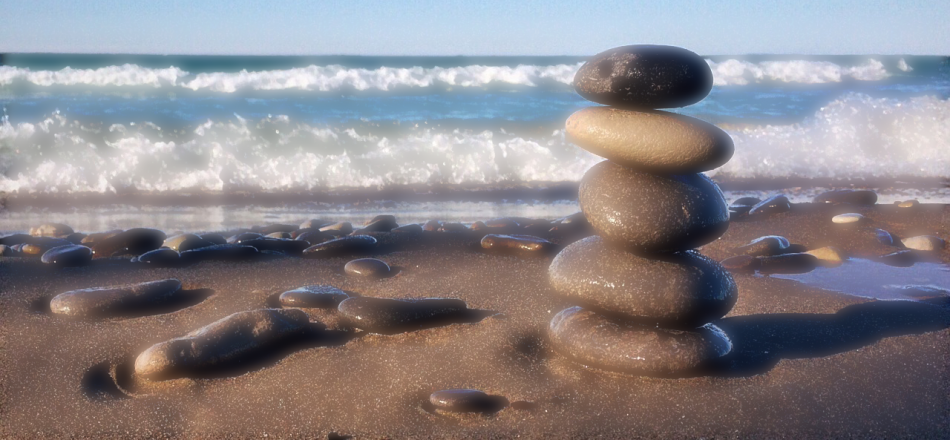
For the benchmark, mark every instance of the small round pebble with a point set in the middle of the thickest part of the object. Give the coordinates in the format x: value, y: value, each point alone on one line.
x: 925, y: 243
x: 907, y: 204
x: 367, y: 268
x: 316, y: 296
x: 161, y: 257
x: 849, y: 218
x: 68, y: 256
x: 766, y: 245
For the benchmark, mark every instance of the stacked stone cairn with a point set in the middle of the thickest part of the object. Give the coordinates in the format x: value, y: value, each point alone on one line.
x: 645, y: 296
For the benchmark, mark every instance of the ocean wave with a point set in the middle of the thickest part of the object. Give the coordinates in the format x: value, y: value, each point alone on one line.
x: 732, y: 72
x: 856, y: 136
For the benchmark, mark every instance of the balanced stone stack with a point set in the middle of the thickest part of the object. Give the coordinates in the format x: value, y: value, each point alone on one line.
x: 645, y: 296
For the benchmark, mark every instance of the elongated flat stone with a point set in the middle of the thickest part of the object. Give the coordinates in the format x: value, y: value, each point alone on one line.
x: 387, y: 315
x: 653, y: 141
x: 225, y: 252
x: 161, y: 257
x: 115, y: 300
x: 344, y: 246
x: 849, y: 218
x: 68, y: 256
x: 682, y: 290
x: 316, y: 296
x: 652, y: 213
x: 466, y: 400
x: 527, y: 245
x: 644, y: 76
x: 847, y: 196
x: 595, y: 340
x: 219, y: 342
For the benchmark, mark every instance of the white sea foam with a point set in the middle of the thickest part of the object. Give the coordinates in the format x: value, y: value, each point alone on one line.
x: 855, y: 136
x: 903, y: 66
x: 731, y: 72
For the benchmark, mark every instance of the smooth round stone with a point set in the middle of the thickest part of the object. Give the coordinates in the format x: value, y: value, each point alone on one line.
x: 37, y: 246
x: 432, y: 226
x: 644, y: 76
x: 57, y: 230
x: 392, y: 315
x: 314, y: 237
x: 367, y: 268
x: 317, y: 296
x: 847, y: 196
x: 463, y: 400
x: 68, y: 256
x: 219, y: 342
x: 828, y: 255
x: 186, y: 242
x: 349, y: 245
x: 161, y: 257
x: 244, y: 236
x: 224, y: 252
x: 682, y: 290
x: 502, y: 225
x: 655, y: 141
x: 215, y: 238
x: 381, y: 223
x: 408, y: 229
x: 314, y: 224
x: 344, y: 227
x: 925, y: 243
x: 787, y: 263
x: 115, y: 300
x: 15, y: 239
x: 279, y: 235
x: 776, y: 204
x: 595, y: 340
x: 652, y: 213
x: 75, y: 237
x: 907, y: 204
x: 517, y: 244
x: 133, y: 241
x: 849, y: 218
x: 740, y: 263
x: 742, y: 205
x: 763, y: 246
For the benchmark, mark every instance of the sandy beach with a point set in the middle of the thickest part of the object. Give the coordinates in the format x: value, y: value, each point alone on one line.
x: 806, y: 362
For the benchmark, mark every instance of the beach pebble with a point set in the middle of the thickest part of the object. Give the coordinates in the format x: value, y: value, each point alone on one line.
x: 766, y: 245
x: 270, y: 229
x: 385, y: 315
x: 925, y: 243
x: 654, y: 141
x: 244, y: 236
x: 773, y: 205
x: 215, y: 238
x: 225, y: 252
x: 787, y: 263
x: 221, y: 341
x: 432, y: 226
x: 502, y: 225
x: 652, y: 213
x: 161, y: 257
x: 114, y: 300
x: 343, y: 227
x: 133, y: 241
x: 93, y: 238
x: 186, y: 242
x: 37, y: 246
x: 314, y: 224
x: 279, y: 235
x: 740, y: 263
x: 595, y: 340
x: 908, y: 204
x: 828, y: 255
x: 57, y: 230
x: 904, y: 258
x: 847, y: 196
x: 381, y: 223
x: 849, y: 218
x: 316, y: 296
x: 349, y: 245
x: 463, y: 400
x: 573, y: 225
x: 68, y: 256
x: 367, y: 268
x: 517, y: 244
x: 479, y: 226
x: 408, y: 229
x: 682, y: 290
x: 742, y: 205
x: 287, y: 246
x: 644, y: 76
x: 14, y: 239
x: 75, y: 237
x: 314, y: 237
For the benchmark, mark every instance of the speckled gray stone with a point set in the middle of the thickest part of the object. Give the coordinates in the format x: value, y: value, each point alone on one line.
x: 114, y: 300
x: 644, y: 76
x: 682, y: 290
x: 369, y: 268
x: 387, y: 315
x: 316, y: 296
x: 595, y: 340
x: 652, y: 213
x: 654, y: 141
x: 219, y: 342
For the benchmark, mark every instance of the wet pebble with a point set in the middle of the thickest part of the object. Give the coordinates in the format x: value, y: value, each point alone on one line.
x: 464, y: 400
x: 114, y: 300
x: 652, y: 213
x: 215, y: 238
x: 595, y: 340
x: 279, y: 235
x: 37, y: 246
x: 453, y: 228
x: 432, y: 226
x: 314, y: 224
x: 766, y: 245
x: 886, y: 238
x: 925, y: 243
x: 133, y: 241
x: 316, y: 296
x: 349, y: 245
x: 342, y: 227
x: 314, y: 237
x: 682, y: 290
x: 849, y: 219
x: 408, y: 229
x: 219, y: 342
x: 225, y: 252
x: 75, y: 237
x: 385, y: 315
x: 58, y: 230
x: 244, y: 236
x: 381, y: 223
x: 270, y: 229
x: 787, y: 263
x: 526, y: 245
x: 367, y: 268
x: 905, y: 258
x: 907, y: 204
x: 773, y: 205
x: 287, y: 246
x: 68, y: 256
x: 93, y: 238
x: 15, y: 239
x: 161, y: 257
x: 186, y: 242
x: 847, y: 196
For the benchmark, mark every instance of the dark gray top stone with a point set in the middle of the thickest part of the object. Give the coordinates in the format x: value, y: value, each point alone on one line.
x: 68, y: 256
x: 113, y: 301
x: 367, y: 268
x: 385, y: 315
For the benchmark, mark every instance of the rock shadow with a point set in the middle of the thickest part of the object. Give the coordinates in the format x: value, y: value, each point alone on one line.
x: 761, y: 341
x: 98, y: 383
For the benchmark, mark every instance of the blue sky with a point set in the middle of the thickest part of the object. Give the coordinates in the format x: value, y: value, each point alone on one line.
x: 473, y: 27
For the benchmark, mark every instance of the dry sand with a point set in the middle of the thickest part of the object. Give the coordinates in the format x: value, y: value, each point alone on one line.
x: 807, y: 362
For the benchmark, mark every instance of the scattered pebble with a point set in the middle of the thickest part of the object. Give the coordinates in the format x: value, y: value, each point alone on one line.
x: 453, y: 228
x: 367, y: 268
x: 279, y: 235
x: 316, y: 296
x: 849, y: 218
x: 215, y: 238
x: 432, y: 226
x: 908, y: 204
x: 905, y: 258
x: 186, y: 242
x: 408, y: 229
x: 381, y: 223
x: 287, y: 246
x: 244, y: 236
x: 115, y: 300
x: 226, y: 252
x: 828, y: 255
x: 343, y: 227
x: 313, y: 237
x: 270, y: 229
x: 787, y: 263
x: 742, y: 205
x: 925, y: 243
x: 385, y: 315
x: 133, y: 241
x: 847, y: 196
x: 349, y: 245
x: 764, y: 246
x: 68, y: 256
x: 161, y: 257
x: 886, y: 238
x: 314, y: 224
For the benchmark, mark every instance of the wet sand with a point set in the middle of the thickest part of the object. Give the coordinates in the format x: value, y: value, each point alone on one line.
x: 806, y: 363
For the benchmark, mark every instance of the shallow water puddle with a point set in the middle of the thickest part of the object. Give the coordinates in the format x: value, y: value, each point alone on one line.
x: 870, y: 279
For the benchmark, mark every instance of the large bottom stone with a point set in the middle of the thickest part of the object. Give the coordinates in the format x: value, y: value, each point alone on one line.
x: 595, y: 340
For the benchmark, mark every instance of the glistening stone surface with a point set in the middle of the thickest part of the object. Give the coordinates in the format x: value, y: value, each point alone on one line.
x: 219, y: 342
x: 644, y: 76
x: 386, y: 315
x: 652, y: 213
x: 654, y: 141
x: 115, y: 300
x: 186, y: 242
x: 595, y: 340
x: 370, y: 268
x: 682, y: 290
x: 316, y: 296
x: 68, y: 256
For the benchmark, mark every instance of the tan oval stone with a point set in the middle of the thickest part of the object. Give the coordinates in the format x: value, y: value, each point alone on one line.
x: 650, y: 140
